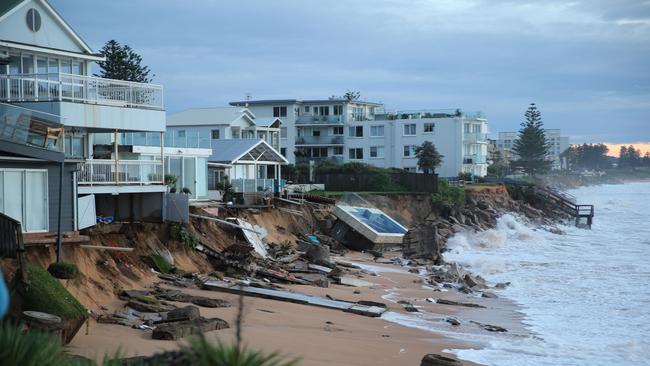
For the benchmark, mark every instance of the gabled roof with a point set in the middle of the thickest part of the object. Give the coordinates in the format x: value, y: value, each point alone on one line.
x: 233, y: 151
x: 269, y: 122
x: 7, y: 7
x: 209, y: 116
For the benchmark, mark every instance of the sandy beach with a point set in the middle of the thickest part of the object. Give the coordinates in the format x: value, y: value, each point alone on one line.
x: 319, y: 336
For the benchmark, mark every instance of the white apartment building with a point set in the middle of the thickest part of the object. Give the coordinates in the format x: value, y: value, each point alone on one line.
x: 344, y: 131
x: 559, y: 143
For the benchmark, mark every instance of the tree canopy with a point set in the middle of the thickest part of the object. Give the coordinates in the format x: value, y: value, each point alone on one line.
x: 587, y: 156
x: 629, y: 157
x: 531, y: 146
x: 428, y: 157
x: 122, y: 63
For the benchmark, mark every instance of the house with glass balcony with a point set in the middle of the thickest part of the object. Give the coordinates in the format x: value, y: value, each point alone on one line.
x: 235, y: 136
x: 342, y: 131
x: 46, y: 66
x: 312, y: 130
x: 33, y: 171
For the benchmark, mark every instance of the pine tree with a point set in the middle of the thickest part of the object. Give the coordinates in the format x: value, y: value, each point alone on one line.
x: 428, y: 157
x: 531, y: 146
x: 122, y: 63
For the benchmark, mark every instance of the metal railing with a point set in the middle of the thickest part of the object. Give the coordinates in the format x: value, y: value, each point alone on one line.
x: 252, y: 185
x: 122, y: 172
x: 80, y: 88
x: 32, y: 128
x: 475, y: 137
x: 306, y: 159
x: 319, y: 140
x: 474, y: 159
x: 316, y: 119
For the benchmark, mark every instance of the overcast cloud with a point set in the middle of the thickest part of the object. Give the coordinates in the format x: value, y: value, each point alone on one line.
x: 585, y: 63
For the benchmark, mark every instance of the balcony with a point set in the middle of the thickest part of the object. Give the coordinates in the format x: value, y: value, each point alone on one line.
x: 474, y: 159
x: 31, y: 128
x: 122, y: 172
x: 473, y: 137
x: 316, y: 160
x: 187, y: 139
x: 80, y: 89
x: 309, y: 119
x: 428, y: 113
x: 319, y: 140
x: 252, y: 185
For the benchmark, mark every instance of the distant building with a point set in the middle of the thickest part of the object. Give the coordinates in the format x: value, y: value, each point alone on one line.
x: 506, y: 140
x: 344, y: 131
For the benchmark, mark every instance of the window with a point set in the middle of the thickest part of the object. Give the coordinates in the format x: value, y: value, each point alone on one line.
x: 306, y: 109
x: 324, y: 111
x: 409, y: 129
x: 338, y: 150
x: 411, y: 169
x: 216, y: 134
x: 74, y: 146
x: 319, y: 152
x: 283, y: 132
x: 376, y: 131
x: 409, y: 151
x: 338, y: 110
x: 283, y: 151
x: 315, y: 133
x: 33, y: 20
x: 337, y: 130
x: 356, y: 154
x: 429, y: 127
x: 23, y: 196
x: 376, y: 151
x: 356, y: 131
x: 279, y: 111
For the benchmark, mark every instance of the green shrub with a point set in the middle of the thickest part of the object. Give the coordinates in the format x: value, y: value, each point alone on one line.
x: 160, y: 263
x: 180, y: 233
x: 45, y: 294
x: 448, y: 194
x: 64, y: 270
x: 219, y: 354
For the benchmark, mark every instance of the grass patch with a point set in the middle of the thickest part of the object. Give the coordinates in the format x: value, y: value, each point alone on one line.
x: 161, y: 264
x: 180, y: 233
x: 449, y: 195
x: 63, y: 270
x: 47, y: 295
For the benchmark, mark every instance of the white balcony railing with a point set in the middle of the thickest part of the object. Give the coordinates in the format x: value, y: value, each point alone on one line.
x: 475, y: 137
x: 80, y: 88
x: 252, y: 185
x: 129, y: 172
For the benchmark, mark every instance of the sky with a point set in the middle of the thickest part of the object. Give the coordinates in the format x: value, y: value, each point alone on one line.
x: 585, y: 63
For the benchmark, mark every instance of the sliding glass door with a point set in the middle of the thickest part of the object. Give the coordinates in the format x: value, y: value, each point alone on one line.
x: 23, y: 197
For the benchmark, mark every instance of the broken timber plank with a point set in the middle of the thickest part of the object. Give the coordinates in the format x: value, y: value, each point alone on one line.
x: 294, y: 297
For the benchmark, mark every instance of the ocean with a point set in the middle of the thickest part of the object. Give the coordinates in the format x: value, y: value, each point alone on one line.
x: 585, y: 295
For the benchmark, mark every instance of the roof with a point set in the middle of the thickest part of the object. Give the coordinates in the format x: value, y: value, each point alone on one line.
x: 7, y: 6
x: 208, y: 116
x: 298, y: 101
x: 268, y: 122
x: 233, y: 151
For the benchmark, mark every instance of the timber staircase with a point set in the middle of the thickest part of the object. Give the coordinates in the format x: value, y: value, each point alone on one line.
x: 583, y: 214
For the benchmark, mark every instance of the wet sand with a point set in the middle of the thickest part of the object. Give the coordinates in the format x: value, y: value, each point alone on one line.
x: 320, y: 336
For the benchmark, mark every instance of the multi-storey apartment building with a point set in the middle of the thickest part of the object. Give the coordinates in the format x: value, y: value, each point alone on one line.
x: 342, y: 131
x: 558, y: 143
x: 45, y: 66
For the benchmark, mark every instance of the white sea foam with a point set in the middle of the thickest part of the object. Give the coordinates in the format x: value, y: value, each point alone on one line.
x: 585, y: 295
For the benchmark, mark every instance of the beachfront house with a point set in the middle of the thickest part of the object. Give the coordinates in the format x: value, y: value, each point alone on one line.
x: 46, y: 66
x: 342, y: 131
x: 244, y: 147
x: 250, y: 165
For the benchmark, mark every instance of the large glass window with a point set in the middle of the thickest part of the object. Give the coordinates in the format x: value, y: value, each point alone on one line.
x: 23, y: 196
x: 376, y: 131
x: 355, y: 131
x: 356, y: 154
x: 376, y: 151
x: 409, y: 151
x: 409, y: 129
x: 28, y: 64
x: 280, y: 111
x: 216, y: 134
